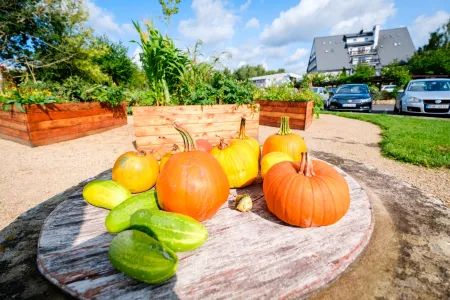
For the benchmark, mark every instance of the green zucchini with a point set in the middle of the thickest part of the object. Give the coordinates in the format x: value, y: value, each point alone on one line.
x: 141, y: 257
x: 118, y: 218
x: 178, y: 232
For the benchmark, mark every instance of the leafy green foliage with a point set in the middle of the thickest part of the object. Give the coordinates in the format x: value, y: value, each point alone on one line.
x: 162, y: 62
x: 169, y: 8
x: 412, y: 140
x: 289, y: 93
x: 115, y: 61
x: 434, y: 57
x: 19, y: 99
x: 246, y: 72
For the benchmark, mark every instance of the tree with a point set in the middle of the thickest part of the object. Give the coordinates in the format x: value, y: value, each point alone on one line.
x: 398, y: 73
x: 169, y: 8
x: 434, y: 57
x: 362, y: 73
x: 114, y: 61
x: 246, y: 72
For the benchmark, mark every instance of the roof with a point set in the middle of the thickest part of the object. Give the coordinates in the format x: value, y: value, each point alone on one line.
x: 395, y: 44
x: 279, y: 75
x: 332, y: 55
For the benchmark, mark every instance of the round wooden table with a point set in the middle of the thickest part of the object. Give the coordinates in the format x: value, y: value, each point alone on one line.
x: 247, y: 256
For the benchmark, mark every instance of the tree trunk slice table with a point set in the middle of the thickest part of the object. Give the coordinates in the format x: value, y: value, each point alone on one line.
x: 247, y: 256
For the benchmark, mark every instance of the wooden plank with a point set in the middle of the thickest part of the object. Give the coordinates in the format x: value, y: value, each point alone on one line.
x: 11, y: 138
x: 14, y: 133
x: 277, y: 120
x: 79, y: 106
x: 281, y: 114
x: 44, y: 125
x: 59, y: 115
x: 14, y: 124
x: 171, y: 139
x: 282, y: 103
x: 57, y: 139
x: 168, y: 119
x: 191, y: 109
x: 207, y: 127
x: 247, y: 255
x: 51, y: 133
x: 298, y: 110
x: 8, y: 115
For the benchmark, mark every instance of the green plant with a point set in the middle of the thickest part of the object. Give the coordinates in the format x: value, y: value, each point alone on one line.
x: 162, y: 62
x: 19, y: 100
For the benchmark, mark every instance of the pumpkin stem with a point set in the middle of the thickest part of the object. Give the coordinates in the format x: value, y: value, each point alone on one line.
x: 284, y: 127
x: 175, y: 148
x: 306, y: 165
x: 242, y: 134
x: 141, y: 152
x: 222, y: 145
x: 188, y: 141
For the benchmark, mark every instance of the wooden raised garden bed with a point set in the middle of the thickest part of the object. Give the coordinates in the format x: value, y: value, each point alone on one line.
x: 300, y: 113
x: 59, y: 122
x: 153, y: 125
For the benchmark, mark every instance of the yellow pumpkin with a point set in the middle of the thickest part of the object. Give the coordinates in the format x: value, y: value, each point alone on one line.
x: 272, y: 159
x: 249, y: 140
x: 238, y: 160
x: 137, y: 171
x: 166, y: 156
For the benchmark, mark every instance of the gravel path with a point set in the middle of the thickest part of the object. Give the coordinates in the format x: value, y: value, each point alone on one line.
x: 32, y: 175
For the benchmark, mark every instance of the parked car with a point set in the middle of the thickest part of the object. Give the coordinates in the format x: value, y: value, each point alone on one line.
x: 352, y: 97
x: 424, y: 96
x: 323, y: 94
x: 388, y: 88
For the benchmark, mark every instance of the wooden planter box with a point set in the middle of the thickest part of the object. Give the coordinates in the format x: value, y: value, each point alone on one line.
x: 300, y: 113
x: 153, y: 125
x: 59, y: 122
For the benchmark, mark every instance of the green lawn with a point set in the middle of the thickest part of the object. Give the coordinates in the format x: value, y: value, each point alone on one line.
x: 413, y: 140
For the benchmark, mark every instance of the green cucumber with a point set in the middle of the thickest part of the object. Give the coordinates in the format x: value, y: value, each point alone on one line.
x: 178, y: 232
x: 118, y: 218
x: 141, y: 257
x: 105, y: 193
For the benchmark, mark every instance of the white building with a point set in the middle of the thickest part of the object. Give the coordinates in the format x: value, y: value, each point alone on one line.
x: 275, y: 79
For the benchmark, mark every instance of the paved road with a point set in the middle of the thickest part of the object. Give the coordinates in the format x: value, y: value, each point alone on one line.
x: 383, y: 108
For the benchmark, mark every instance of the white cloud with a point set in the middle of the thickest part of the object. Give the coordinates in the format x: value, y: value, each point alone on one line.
x: 303, y: 21
x: 297, y: 56
x: 252, y: 23
x: 135, y: 56
x: 245, y: 5
x: 103, y: 21
x: 254, y: 55
x: 424, y: 25
x: 213, y: 22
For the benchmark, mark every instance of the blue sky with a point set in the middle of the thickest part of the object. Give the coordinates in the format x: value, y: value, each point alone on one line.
x: 275, y: 33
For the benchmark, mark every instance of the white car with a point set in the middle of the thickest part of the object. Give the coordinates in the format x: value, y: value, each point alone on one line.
x: 424, y: 96
x: 388, y: 88
x: 323, y: 94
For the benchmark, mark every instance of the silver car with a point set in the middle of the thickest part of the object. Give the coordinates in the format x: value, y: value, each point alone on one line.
x: 323, y: 94
x: 425, y: 96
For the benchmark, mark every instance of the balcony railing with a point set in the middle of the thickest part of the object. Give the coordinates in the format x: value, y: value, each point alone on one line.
x: 365, y: 61
x: 362, y: 52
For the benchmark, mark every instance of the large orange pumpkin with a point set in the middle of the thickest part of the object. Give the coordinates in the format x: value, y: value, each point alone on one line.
x: 192, y: 182
x: 249, y: 140
x: 239, y: 161
x: 137, y: 171
x: 285, y: 141
x: 307, y: 193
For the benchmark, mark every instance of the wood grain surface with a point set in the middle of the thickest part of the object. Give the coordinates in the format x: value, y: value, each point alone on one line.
x: 153, y: 124
x: 300, y: 113
x: 59, y: 122
x: 247, y: 256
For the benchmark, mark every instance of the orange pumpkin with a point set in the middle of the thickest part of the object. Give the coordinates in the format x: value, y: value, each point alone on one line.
x: 285, y: 141
x: 239, y: 161
x: 307, y: 193
x: 192, y: 182
x: 249, y: 140
x: 137, y: 171
x: 166, y: 156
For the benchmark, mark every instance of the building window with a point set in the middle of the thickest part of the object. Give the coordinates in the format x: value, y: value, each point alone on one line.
x: 354, y: 40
